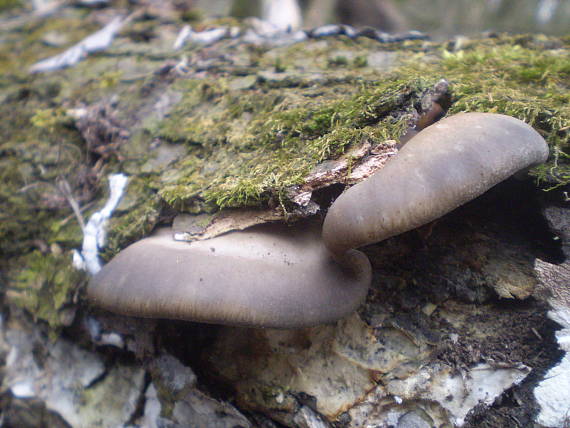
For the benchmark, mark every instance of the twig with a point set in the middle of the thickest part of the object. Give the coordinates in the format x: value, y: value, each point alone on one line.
x: 65, y: 189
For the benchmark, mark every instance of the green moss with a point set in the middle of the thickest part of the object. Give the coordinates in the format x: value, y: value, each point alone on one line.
x: 527, y: 78
x: 338, y: 61
x: 133, y: 225
x: 245, y: 8
x: 360, y: 61
x: 110, y: 79
x: 37, y: 148
x: 45, y: 286
x: 279, y: 66
x: 245, y: 149
x: 6, y: 5
x: 192, y: 16
x: 23, y: 48
x: 50, y: 118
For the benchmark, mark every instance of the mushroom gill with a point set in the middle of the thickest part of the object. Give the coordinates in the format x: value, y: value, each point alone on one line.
x: 277, y: 276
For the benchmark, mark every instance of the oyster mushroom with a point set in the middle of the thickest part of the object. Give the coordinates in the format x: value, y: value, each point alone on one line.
x: 273, y: 275
x: 270, y: 275
x: 442, y: 167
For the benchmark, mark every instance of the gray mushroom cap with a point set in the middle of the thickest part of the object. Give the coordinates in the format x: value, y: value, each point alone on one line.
x: 278, y: 276
x: 270, y: 275
x: 441, y: 168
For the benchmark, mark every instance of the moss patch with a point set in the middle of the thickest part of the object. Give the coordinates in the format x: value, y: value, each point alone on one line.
x: 45, y: 286
x: 521, y: 76
x: 6, y: 5
x: 246, y: 148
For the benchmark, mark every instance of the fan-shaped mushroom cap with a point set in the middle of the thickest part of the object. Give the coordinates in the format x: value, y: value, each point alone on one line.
x: 275, y: 276
x: 441, y: 168
x: 270, y: 275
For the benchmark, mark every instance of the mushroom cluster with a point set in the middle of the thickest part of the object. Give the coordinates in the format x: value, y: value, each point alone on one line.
x: 278, y: 276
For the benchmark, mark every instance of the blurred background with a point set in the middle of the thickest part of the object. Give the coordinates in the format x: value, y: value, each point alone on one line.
x: 439, y: 18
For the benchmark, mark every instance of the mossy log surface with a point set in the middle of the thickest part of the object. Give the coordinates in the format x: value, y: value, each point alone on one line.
x: 229, y: 125
x: 233, y: 126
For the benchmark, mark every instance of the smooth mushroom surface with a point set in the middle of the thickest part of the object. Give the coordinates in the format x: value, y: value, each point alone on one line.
x: 278, y: 276
x: 270, y: 275
x: 442, y: 167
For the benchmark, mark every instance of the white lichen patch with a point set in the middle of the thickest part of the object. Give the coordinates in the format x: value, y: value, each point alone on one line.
x: 66, y: 369
x: 459, y: 393
x: 338, y: 366
x: 312, y: 366
x: 381, y: 409
x: 66, y: 378
x: 95, y: 232
x: 552, y: 394
x: 509, y: 279
x: 97, y: 41
x: 187, y: 35
x: 115, y: 398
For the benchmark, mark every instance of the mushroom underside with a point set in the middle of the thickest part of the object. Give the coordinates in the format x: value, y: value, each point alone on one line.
x: 278, y: 276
